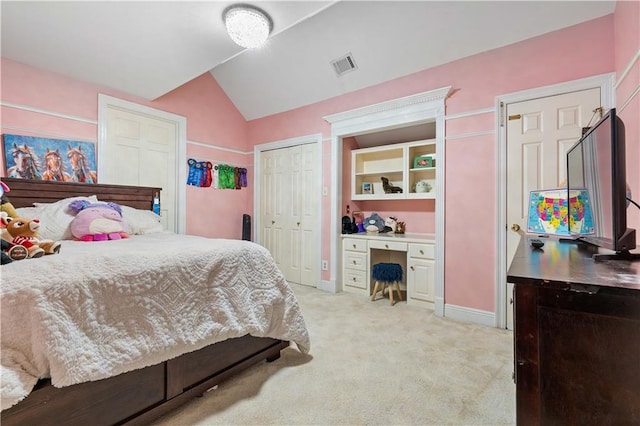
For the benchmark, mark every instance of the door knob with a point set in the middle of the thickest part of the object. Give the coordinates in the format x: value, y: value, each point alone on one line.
x: 515, y: 227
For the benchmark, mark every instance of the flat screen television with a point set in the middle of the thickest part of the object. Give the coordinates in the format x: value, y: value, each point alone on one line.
x: 596, y: 164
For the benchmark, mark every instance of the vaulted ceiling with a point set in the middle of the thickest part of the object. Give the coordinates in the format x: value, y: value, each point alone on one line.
x: 149, y: 48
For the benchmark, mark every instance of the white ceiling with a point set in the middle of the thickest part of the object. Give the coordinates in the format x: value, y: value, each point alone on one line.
x: 149, y: 48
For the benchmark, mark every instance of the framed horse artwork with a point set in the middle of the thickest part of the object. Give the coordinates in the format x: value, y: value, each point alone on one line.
x: 28, y: 157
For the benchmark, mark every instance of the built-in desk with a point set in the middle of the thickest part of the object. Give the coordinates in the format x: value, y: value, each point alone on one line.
x: 414, y: 252
x: 576, y: 336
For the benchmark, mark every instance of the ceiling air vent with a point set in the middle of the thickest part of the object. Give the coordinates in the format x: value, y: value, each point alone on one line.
x: 344, y: 65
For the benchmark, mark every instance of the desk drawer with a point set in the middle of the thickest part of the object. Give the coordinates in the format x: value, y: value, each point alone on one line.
x: 354, y: 278
x: 354, y: 244
x: 422, y: 251
x: 355, y: 260
x: 387, y: 245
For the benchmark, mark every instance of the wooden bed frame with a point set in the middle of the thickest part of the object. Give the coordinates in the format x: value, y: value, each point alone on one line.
x: 139, y: 396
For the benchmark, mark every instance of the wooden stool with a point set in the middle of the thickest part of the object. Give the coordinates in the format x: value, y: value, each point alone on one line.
x: 386, y: 275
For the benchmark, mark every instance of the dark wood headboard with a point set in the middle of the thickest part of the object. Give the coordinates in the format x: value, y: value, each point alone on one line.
x: 23, y: 192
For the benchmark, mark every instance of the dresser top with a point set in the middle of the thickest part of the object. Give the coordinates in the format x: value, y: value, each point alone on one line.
x: 570, y: 263
x: 409, y: 237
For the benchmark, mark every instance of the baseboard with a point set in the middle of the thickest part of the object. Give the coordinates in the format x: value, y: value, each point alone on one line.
x: 330, y: 286
x: 471, y: 315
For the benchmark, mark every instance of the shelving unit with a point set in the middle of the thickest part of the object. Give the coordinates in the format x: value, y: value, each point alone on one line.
x: 395, y: 162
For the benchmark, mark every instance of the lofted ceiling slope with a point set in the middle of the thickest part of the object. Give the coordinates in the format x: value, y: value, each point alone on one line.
x: 149, y: 48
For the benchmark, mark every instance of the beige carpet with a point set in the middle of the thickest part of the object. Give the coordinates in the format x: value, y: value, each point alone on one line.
x: 370, y: 364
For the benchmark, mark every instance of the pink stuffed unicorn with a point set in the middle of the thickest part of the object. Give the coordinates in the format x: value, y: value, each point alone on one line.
x: 97, y: 221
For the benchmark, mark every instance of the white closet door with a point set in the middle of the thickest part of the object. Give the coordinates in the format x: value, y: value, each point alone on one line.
x: 272, y: 191
x: 288, y: 209
x: 309, y: 208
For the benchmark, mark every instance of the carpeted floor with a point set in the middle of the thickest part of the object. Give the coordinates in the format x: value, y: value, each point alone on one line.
x: 370, y: 364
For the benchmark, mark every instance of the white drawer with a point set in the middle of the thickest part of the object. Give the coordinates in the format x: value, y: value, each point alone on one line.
x: 353, y: 278
x: 388, y: 245
x: 355, y: 260
x: 422, y: 251
x: 354, y: 244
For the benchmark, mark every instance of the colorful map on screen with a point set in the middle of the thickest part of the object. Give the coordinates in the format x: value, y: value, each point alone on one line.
x: 549, y: 213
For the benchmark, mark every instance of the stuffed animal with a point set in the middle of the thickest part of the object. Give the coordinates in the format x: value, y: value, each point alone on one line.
x: 5, y: 258
x: 390, y: 224
x: 5, y: 204
x: 19, y: 231
x: 97, y: 221
x: 374, y: 223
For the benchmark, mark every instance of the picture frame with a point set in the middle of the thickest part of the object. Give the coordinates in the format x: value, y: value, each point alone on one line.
x: 367, y: 188
x: 29, y: 157
x: 423, y: 161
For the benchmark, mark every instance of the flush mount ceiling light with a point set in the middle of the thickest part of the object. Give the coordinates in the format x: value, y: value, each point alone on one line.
x: 247, y: 25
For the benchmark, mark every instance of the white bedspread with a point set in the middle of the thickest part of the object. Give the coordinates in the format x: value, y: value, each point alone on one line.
x: 99, y: 309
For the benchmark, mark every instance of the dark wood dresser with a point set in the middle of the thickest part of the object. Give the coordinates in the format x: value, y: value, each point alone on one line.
x: 576, y: 336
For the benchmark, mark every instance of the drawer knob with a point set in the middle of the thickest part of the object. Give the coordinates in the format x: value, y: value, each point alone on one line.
x: 386, y: 246
x: 354, y: 262
x: 412, y: 268
x: 354, y: 278
x: 354, y: 246
x: 421, y: 252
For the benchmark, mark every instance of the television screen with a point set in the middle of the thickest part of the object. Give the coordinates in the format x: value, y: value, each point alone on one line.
x: 596, y: 167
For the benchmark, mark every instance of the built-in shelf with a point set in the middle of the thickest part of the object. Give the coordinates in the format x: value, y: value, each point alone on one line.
x: 410, y: 166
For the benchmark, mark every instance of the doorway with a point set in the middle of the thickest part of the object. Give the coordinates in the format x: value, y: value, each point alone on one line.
x: 537, y: 127
x: 139, y: 145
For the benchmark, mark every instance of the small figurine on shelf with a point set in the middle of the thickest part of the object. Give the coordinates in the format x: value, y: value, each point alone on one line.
x: 388, y: 188
x: 400, y: 227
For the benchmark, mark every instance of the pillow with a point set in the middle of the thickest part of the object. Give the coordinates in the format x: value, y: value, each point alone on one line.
x: 55, y: 218
x: 27, y: 212
x: 140, y: 222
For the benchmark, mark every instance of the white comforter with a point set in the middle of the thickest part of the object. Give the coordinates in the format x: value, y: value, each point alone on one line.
x: 99, y: 309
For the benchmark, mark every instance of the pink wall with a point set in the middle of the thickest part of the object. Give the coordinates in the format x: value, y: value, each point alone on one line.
x: 211, y: 120
x: 470, y: 235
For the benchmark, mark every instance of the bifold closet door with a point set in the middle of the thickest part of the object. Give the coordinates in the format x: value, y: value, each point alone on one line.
x: 289, y: 208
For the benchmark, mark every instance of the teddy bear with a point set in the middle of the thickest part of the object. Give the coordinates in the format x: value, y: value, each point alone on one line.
x: 19, y: 231
x: 97, y: 221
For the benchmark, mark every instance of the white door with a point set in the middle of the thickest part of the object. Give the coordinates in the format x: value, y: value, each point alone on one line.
x: 288, y: 210
x: 273, y: 186
x: 309, y: 210
x: 141, y: 150
x: 539, y: 134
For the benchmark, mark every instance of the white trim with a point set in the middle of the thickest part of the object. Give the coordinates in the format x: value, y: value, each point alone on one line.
x: 47, y: 112
x: 105, y: 101
x: 328, y: 286
x: 316, y: 139
x: 628, y: 68
x: 219, y: 148
x: 409, y: 110
x: 51, y: 134
x: 629, y: 99
x: 487, y: 110
x: 471, y: 134
x: 471, y: 315
x: 407, y: 101
x: 607, y: 95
